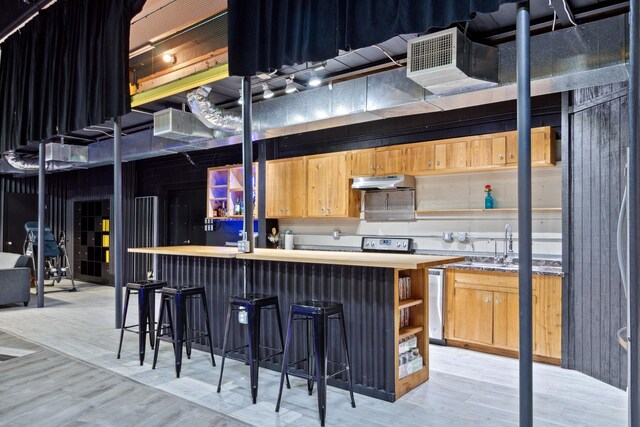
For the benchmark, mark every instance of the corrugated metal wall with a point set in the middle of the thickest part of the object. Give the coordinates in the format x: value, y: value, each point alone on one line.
x: 366, y: 292
x: 594, y: 306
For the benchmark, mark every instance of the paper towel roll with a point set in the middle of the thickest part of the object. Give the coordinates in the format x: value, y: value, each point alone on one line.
x: 288, y: 241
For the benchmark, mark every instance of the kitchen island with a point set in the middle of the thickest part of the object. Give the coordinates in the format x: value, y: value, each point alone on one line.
x: 385, y: 298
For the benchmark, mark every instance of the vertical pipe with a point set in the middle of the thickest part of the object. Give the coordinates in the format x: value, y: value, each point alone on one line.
x: 247, y: 161
x: 524, y: 212
x: 116, y: 214
x: 567, y: 243
x: 633, y: 297
x: 262, y: 192
x: 41, y: 224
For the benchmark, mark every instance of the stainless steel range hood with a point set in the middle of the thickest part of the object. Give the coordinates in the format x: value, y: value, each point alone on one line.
x: 387, y: 182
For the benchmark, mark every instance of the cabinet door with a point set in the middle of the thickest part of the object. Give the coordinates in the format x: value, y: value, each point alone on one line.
x: 337, y: 186
x: 473, y: 315
x: 286, y: 188
x: 542, y: 151
x: 481, y: 152
x: 547, y: 316
x: 505, y: 320
x: 452, y: 155
x: 363, y: 162
x: 420, y: 158
x: 316, y: 186
x: 498, y: 151
x: 390, y: 161
x: 512, y: 147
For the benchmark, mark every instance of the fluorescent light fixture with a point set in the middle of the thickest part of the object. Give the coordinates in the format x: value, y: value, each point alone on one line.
x: 290, y: 88
x: 314, y: 81
x: 169, y: 58
x: 267, y: 93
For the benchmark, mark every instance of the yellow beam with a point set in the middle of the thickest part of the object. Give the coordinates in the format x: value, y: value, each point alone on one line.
x: 210, y: 75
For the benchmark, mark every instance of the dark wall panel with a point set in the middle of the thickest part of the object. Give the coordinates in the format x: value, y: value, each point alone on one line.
x: 595, y: 304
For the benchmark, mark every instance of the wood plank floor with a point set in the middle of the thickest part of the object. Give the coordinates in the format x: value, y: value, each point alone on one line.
x: 466, y: 388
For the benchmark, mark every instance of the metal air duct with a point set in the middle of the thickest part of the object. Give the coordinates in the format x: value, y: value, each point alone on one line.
x: 212, y: 116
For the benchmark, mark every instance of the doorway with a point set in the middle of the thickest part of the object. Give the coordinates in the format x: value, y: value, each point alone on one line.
x: 18, y: 210
x: 186, y: 217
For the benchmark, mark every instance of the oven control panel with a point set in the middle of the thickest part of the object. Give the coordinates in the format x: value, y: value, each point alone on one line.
x: 385, y: 244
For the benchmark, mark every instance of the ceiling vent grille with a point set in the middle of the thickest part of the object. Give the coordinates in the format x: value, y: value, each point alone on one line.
x: 445, y: 63
x: 432, y: 52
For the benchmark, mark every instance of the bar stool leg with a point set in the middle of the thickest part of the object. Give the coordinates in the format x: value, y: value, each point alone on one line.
x: 320, y: 349
x: 178, y: 331
x: 151, y: 296
x: 224, y: 344
x: 187, y: 327
x: 208, y: 324
x: 285, y: 357
x: 346, y: 350
x: 143, y: 316
x: 124, y: 319
x: 281, y: 338
x: 253, y: 317
x: 310, y: 356
x: 159, y: 330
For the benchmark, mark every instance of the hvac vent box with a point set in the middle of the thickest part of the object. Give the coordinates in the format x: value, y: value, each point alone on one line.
x: 57, y: 152
x: 180, y: 125
x: 446, y: 62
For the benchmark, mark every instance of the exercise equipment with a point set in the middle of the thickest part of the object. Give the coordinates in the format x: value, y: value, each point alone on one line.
x: 56, y: 261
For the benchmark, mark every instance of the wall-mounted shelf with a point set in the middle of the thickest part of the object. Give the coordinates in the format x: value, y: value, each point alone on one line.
x: 463, y: 211
x: 225, y: 188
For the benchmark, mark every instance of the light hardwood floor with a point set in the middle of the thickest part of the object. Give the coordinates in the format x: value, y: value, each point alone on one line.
x: 466, y: 388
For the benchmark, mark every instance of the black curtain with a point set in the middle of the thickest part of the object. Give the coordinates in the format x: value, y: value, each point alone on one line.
x: 267, y: 34
x: 65, y: 70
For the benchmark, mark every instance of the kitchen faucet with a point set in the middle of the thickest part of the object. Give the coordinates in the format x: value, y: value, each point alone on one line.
x: 508, y: 244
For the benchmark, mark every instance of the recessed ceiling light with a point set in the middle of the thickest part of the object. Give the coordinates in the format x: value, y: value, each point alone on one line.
x: 169, y: 58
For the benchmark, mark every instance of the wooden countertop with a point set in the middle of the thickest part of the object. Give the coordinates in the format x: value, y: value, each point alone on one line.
x: 191, y: 250
x: 366, y: 259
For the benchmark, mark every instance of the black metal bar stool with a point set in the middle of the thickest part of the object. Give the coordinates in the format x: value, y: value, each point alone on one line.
x: 146, y: 312
x: 316, y: 314
x: 253, y: 304
x: 178, y: 324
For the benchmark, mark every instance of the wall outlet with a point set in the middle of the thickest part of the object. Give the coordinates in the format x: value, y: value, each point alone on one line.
x: 462, y: 237
x: 447, y: 236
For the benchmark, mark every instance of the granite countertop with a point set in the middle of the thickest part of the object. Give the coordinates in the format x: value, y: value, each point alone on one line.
x: 542, y: 267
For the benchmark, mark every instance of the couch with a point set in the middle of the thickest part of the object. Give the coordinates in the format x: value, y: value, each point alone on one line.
x: 15, y: 279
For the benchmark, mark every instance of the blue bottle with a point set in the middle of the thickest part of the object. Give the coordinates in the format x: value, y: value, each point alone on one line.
x: 488, y: 201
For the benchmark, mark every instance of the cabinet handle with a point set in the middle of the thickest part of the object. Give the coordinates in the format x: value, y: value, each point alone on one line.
x: 322, y: 210
x: 430, y: 163
x: 500, y: 156
x: 438, y: 162
x: 498, y: 301
x: 487, y: 299
x: 511, y: 155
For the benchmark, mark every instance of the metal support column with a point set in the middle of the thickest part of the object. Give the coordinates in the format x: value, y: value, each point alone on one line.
x: 524, y: 212
x: 116, y: 215
x: 247, y: 161
x: 633, y: 297
x: 41, y: 223
x: 262, y: 191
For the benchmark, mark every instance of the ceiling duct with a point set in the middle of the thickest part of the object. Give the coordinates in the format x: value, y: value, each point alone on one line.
x: 213, y: 117
x: 180, y: 125
x: 29, y: 163
x: 447, y: 62
x: 58, y: 152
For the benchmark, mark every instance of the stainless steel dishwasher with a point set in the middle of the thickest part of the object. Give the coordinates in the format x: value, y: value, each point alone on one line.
x: 436, y: 306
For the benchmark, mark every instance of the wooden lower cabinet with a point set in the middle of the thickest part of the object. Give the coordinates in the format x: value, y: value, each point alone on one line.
x: 482, y: 313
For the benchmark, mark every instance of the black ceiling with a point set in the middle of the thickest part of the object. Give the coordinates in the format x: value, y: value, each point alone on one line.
x: 493, y: 28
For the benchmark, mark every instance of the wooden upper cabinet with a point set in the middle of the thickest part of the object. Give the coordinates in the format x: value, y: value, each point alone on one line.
x: 286, y: 187
x: 328, y: 190
x: 451, y: 155
x: 420, y: 158
x: 390, y: 161
x: 543, y: 146
x: 363, y: 162
x: 488, y: 151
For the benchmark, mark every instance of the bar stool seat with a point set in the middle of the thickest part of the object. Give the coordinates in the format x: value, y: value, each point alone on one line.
x: 253, y: 304
x: 145, y: 289
x: 316, y: 313
x: 178, y: 323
